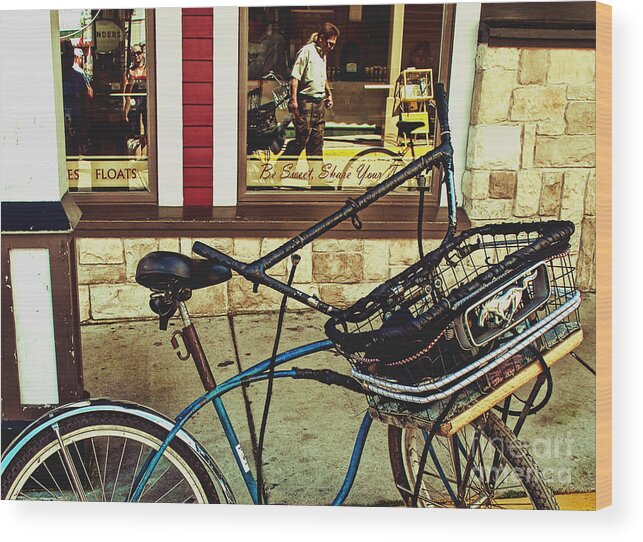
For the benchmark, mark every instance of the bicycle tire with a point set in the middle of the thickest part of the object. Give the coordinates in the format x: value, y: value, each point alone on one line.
x: 352, y: 168
x: 512, y: 453
x: 39, y: 472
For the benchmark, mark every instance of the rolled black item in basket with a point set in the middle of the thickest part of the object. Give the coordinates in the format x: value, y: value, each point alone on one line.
x: 426, y: 327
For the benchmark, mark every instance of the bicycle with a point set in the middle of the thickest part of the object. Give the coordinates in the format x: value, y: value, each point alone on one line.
x: 434, y: 350
x: 380, y: 162
x: 264, y: 132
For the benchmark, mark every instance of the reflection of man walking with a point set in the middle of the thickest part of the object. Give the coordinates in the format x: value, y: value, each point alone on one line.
x: 310, y: 93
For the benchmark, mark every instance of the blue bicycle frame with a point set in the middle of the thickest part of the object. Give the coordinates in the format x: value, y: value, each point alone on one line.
x: 255, y: 373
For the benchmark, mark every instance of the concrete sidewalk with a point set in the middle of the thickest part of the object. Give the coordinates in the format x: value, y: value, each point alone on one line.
x: 312, y: 427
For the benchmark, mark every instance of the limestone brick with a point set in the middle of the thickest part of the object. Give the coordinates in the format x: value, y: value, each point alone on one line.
x: 492, y: 95
x: 490, y: 209
x: 538, y: 103
x: 185, y: 246
x: 135, y: 249
x: 527, y: 193
x: 551, y: 193
x: 247, y: 249
x: 506, y: 58
x: 342, y: 267
x: 403, y: 251
x: 553, y: 126
x: 533, y: 66
x: 494, y: 147
x: 475, y: 184
x: 223, y: 244
x: 117, y: 301
x: 376, y: 259
x: 101, y: 274
x: 169, y: 244
x: 573, y: 200
x: 211, y: 301
x: 581, y: 92
x: 337, y: 245
x: 344, y: 295
x: 565, y: 151
x: 100, y: 250
x: 586, y: 262
x: 581, y: 118
x: 571, y: 66
x: 502, y: 184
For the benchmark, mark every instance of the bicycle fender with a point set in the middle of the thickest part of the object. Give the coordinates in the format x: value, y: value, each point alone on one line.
x: 134, y: 409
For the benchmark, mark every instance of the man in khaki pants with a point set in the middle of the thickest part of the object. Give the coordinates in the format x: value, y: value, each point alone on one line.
x: 310, y: 93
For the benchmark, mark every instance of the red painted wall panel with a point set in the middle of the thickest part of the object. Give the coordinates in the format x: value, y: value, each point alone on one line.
x: 197, y: 115
x: 197, y: 136
x: 197, y: 49
x: 197, y: 26
x: 199, y: 177
x: 197, y: 94
x: 196, y: 71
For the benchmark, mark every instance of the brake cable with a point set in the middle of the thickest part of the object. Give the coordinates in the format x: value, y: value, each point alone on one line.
x: 261, y: 494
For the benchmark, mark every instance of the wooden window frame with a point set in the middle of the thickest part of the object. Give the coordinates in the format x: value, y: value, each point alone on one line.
x: 150, y: 196
x: 246, y: 197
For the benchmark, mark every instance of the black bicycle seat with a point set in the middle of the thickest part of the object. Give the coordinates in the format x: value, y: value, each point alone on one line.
x: 406, y: 127
x: 171, y: 271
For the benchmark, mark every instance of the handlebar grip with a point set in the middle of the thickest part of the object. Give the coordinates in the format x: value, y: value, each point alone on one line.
x: 443, y: 109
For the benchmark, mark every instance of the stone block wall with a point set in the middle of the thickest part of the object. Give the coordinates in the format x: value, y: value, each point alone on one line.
x: 531, y: 150
x: 336, y: 270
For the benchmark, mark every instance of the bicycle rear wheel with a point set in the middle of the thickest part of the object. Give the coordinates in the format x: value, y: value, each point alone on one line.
x: 96, y: 456
x: 482, y: 466
x: 371, y: 166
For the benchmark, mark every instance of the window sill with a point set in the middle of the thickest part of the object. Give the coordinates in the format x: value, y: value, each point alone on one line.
x: 256, y: 221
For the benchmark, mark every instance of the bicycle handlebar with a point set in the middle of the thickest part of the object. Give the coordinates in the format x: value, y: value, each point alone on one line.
x: 255, y: 271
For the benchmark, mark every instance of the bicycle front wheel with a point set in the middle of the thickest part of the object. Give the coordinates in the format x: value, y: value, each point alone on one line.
x: 482, y: 466
x: 97, y: 456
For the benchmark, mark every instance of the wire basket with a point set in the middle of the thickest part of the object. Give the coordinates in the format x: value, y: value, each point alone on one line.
x: 465, y: 318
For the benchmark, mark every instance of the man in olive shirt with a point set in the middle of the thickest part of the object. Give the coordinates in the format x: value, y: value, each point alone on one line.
x: 310, y: 93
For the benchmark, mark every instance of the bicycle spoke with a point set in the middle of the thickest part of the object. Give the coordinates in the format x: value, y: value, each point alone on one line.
x: 170, y: 490
x: 118, y: 470
x: 100, y: 477
x: 46, y: 489
x: 134, y: 473
x: 106, y: 456
x: 53, y: 480
x: 80, y: 458
x: 150, y: 486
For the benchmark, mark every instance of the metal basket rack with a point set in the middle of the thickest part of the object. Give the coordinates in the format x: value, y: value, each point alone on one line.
x: 468, y: 344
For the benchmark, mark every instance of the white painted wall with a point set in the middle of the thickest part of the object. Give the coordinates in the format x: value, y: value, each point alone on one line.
x: 34, y: 324
x: 226, y: 100
x: 169, y: 106
x: 463, y: 68
x: 32, y: 165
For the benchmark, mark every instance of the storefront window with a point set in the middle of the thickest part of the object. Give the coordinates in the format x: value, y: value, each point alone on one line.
x: 105, y: 99
x: 374, y: 66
